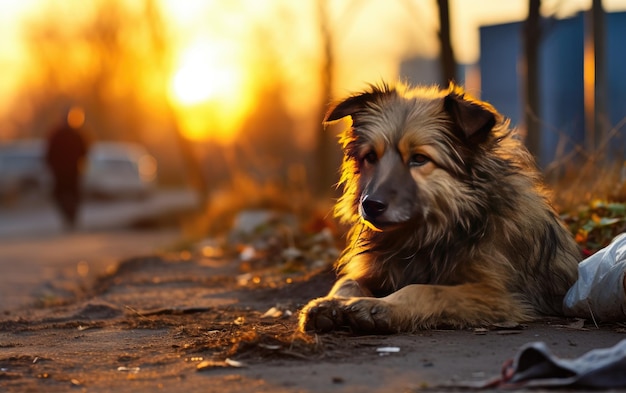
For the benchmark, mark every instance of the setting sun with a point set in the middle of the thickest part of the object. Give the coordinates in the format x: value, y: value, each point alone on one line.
x: 201, y: 77
x: 208, y: 91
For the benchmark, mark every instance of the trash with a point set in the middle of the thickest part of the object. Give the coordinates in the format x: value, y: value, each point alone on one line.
x: 244, y: 279
x: 382, y: 351
x: 208, y: 364
x: 291, y: 253
x: 598, y: 294
x: 270, y: 347
x: 277, y: 312
x: 132, y: 370
x: 272, y: 313
x: 247, y: 253
x: 234, y: 363
x: 535, y: 366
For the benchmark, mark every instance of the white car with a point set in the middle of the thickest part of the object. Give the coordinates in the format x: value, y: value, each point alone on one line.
x: 119, y: 170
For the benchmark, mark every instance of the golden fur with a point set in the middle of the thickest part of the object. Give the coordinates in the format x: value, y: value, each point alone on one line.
x: 451, y: 225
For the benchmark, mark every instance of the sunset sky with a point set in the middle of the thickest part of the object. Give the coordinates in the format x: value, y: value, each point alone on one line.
x: 216, y: 48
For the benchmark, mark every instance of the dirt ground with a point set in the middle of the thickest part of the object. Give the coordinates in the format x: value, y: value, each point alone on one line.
x: 187, y: 322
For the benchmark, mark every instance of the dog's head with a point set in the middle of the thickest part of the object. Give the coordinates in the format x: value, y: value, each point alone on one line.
x: 409, y: 152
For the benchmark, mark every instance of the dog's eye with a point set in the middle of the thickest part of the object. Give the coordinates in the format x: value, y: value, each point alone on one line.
x: 370, y: 157
x: 418, y: 160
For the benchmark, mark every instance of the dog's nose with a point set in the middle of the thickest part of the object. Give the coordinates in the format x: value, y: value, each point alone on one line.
x: 373, y: 208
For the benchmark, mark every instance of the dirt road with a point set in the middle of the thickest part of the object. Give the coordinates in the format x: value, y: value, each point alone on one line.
x: 50, y: 268
x: 41, y: 263
x: 186, y: 325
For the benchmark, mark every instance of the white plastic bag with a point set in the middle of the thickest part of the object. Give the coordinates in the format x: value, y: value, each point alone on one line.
x: 536, y: 366
x: 598, y: 293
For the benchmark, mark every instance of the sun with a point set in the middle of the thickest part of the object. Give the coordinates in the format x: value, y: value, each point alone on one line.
x: 202, y: 76
x: 208, y: 91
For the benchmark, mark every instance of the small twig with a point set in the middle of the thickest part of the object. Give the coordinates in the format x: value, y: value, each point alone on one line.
x: 592, y: 317
x: 295, y: 354
x: 136, y: 312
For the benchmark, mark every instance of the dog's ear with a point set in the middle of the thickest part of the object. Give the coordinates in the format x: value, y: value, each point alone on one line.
x: 348, y: 107
x: 472, y: 117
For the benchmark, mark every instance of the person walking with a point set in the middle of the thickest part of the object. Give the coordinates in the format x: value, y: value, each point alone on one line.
x: 66, y: 153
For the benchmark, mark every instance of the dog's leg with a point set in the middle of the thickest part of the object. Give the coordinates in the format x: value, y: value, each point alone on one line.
x: 326, y: 313
x: 414, y: 307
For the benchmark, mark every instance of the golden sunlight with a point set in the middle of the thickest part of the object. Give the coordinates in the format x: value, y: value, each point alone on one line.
x: 208, y: 91
x: 200, y: 77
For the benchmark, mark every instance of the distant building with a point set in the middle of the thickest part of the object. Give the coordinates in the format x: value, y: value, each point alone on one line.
x: 562, y: 80
x: 421, y: 71
x: 426, y: 71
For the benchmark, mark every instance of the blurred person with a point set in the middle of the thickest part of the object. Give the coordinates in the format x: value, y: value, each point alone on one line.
x: 66, y: 153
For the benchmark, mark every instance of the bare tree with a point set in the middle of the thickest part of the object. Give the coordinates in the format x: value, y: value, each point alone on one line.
x: 448, y: 63
x: 327, y: 157
x: 160, y: 48
x: 323, y: 163
x: 532, y: 37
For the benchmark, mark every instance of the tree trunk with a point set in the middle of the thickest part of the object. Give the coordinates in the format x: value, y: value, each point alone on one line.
x: 448, y: 64
x: 191, y: 162
x: 600, y: 121
x: 532, y: 37
x: 324, y: 170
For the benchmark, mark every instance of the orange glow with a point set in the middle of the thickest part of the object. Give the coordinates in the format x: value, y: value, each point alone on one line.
x: 206, y: 60
x: 208, y: 91
x: 589, y: 81
x: 201, y: 76
x: 76, y: 117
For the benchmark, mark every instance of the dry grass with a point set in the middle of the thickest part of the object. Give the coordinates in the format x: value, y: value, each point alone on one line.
x: 246, y: 193
x: 582, y: 175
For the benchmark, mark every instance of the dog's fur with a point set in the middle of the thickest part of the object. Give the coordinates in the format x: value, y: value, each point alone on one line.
x: 451, y: 225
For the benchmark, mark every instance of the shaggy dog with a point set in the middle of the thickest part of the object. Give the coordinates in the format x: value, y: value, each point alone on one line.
x: 451, y: 225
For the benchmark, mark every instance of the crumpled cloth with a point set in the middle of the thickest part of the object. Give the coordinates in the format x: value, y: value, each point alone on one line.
x: 598, y: 294
x: 536, y: 366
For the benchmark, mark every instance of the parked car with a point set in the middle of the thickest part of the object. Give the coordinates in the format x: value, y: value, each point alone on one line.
x: 114, y: 170
x: 22, y: 168
x: 119, y: 170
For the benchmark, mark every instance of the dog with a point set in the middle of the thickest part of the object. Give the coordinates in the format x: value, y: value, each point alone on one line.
x: 451, y: 225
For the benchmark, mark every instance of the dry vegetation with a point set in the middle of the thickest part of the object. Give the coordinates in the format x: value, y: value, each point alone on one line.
x: 589, y: 190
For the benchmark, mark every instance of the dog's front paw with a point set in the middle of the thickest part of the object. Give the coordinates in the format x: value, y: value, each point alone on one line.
x: 362, y: 314
x: 322, y: 315
x: 369, y: 315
